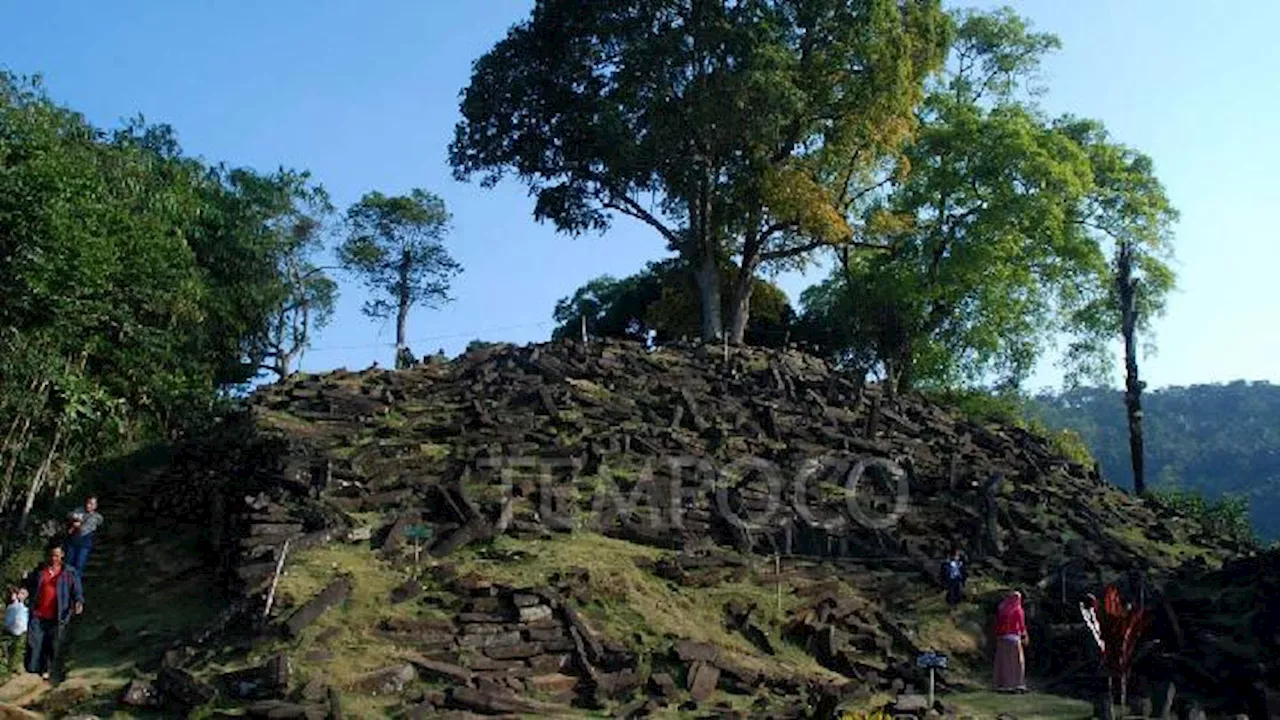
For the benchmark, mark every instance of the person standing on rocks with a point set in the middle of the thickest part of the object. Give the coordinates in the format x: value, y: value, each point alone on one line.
x: 56, y: 596
x: 84, y: 524
x: 953, y: 574
x: 1011, y: 639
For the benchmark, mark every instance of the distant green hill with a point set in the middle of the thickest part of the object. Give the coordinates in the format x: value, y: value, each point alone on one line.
x: 1217, y: 439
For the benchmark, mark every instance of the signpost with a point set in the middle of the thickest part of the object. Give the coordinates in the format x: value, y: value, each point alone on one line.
x: 933, y: 661
x: 418, y: 533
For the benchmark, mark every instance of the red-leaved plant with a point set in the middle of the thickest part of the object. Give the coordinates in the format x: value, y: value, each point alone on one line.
x: 1121, y: 627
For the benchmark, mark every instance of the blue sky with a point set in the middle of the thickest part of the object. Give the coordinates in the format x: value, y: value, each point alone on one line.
x: 364, y: 94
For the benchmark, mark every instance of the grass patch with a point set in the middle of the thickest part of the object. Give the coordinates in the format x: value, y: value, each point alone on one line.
x: 1167, y: 555
x: 283, y: 422
x: 957, y: 632
x: 435, y: 451
x: 354, y: 649
x: 588, y: 388
x: 635, y: 607
x: 1031, y: 706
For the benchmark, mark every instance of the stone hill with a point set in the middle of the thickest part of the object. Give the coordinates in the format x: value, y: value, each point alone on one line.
x: 549, y: 528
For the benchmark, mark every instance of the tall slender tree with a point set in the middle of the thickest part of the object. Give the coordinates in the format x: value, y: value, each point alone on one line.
x: 395, y: 244
x: 1128, y: 212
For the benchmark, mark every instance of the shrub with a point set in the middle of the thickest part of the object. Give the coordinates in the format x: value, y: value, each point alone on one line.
x: 1228, y: 514
x: 1010, y: 409
x: 19, y: 561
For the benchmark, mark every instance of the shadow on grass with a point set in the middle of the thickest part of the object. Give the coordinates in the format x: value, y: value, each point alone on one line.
x: 1031, y: 706
x: 140, y: 596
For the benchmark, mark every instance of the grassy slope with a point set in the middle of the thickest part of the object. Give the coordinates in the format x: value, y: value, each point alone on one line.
x: 141, y: 593
x: 148, y: 590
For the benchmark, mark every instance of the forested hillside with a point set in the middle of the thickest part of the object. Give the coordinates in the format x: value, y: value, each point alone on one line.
x: 1218, y: 439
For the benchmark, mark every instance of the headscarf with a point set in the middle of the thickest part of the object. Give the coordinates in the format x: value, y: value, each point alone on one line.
x: 1010, y: 619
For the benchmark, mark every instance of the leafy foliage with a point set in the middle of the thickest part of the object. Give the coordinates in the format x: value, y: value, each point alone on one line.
x: 139, y: 283
x: 1009, y: 408
x: 662, y: 300
x: 1228, y: 515
x: 1128, y: 214
x: 1122, y: 625
x: 1215, y: 441
x: 752, y: 126
x: 976, y: 257
x: 998, y: 239
x: 395, y: 244
x: 296, y: 214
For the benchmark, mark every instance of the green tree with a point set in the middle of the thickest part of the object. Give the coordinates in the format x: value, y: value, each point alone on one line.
x: 744, y: 130
x: 1216, y: 441
x: 295, y: 211
x: 1130, y: 215
x: 662, y: 300
x: 978, y: 259
x: 138, y: 285
x: 395, y: 245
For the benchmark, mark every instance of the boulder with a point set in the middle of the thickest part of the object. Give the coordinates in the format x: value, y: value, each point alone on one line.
x: 702, y: 680
x: 282, y: 710
x: 691, y: 651
x: 387, y: 681
x: 13, y: 712
x: 405, y: 591
x: 333, y: 594
x: 180, y: 688
x: 911, y: 704
x: 140, y: 694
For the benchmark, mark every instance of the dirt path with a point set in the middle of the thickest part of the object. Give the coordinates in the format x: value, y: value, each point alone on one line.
x: 144, y: 586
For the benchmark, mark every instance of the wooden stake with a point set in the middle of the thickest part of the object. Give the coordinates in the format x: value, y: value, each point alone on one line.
x: 271, y: 594
x: 777, y: 575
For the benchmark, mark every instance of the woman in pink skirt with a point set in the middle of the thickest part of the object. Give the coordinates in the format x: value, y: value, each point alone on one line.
x: 1011, y: 638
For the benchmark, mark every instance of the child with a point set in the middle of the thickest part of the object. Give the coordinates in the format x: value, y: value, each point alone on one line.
x: 14, y: 640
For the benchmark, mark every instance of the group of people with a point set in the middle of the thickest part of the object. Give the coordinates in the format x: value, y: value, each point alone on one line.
x: 34, y: 635
x: 1011, y: 638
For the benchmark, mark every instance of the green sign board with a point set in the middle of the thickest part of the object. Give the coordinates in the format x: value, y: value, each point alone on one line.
x: 419, y: 532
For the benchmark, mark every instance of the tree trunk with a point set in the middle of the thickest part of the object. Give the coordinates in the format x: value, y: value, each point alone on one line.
x: 1127, y: 286
x: 900, y: 379
x: 708, y: 277
x: 14, y: 450
x: 402, y: 311
x: 37, y: 481
x: 742, y: 288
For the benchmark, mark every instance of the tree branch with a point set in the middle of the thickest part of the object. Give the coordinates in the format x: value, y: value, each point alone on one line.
x: 810, y: 246
x: 628, y: 206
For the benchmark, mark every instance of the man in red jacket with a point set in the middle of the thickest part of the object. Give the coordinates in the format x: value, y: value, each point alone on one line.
x: 56, y: 595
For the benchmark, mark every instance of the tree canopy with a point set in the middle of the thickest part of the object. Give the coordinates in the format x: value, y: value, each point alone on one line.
x: 744, y: 130
x: 1217, y: 440
x: 395, y: 245
x: 138, y: 284
x: 660, y: 303
x: 988, y: 249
